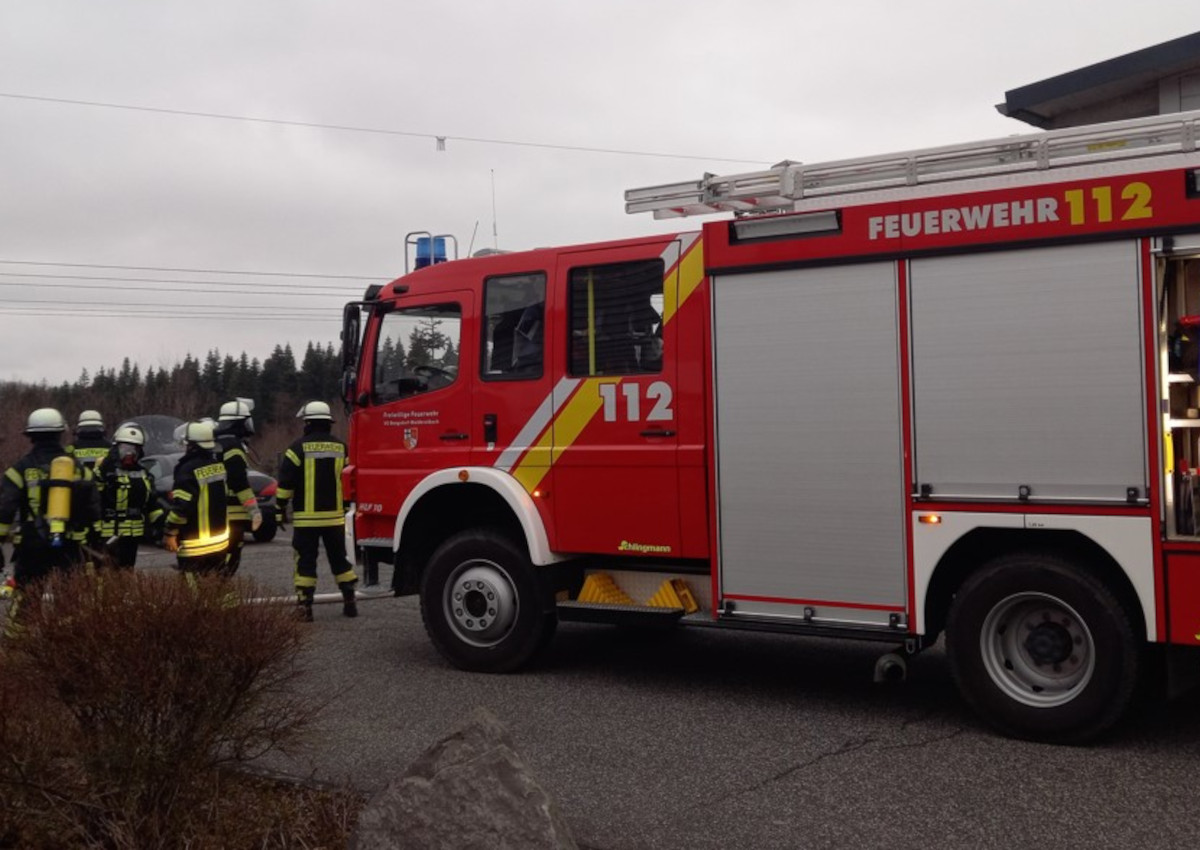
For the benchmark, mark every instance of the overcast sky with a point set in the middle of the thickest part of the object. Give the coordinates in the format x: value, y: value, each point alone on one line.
x: 86, y: 187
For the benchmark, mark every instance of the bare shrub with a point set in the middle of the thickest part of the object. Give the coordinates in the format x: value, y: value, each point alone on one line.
x: 130, y: 691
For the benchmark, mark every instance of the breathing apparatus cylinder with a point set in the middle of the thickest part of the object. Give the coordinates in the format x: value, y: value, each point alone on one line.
x: 58, y: 497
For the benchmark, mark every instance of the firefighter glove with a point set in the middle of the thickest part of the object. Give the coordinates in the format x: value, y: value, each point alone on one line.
x: 256, y: 519
x: 171, y: 541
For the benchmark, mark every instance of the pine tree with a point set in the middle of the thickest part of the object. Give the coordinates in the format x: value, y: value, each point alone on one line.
x: 210, y: 377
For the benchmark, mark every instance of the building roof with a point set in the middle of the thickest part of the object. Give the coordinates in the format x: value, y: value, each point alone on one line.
x: 1127, y: 86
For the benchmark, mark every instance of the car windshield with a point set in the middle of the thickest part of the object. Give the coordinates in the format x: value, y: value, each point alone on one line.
x: 159, y: 431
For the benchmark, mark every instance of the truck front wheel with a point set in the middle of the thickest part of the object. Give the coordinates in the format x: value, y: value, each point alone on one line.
x: 482, y: 604
x: 1042, y: 649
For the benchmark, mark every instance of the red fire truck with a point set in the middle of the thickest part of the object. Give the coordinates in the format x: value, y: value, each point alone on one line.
x: 944, y: 392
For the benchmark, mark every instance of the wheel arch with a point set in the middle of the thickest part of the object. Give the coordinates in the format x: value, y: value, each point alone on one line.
x: 982, y: 545
x: 453, y: 500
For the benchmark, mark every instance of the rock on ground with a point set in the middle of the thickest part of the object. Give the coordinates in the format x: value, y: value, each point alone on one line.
x: 469, y: 790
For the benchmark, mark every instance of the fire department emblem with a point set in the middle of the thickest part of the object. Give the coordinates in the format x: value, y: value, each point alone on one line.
x: 410, y: 438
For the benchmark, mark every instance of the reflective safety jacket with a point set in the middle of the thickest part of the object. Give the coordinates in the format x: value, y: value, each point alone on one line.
x: 23, y: 496
x: 240, y: 494
x: 89, y: 448
x: 311, y: 476
x: 126, y: 499
x: 198, y: 505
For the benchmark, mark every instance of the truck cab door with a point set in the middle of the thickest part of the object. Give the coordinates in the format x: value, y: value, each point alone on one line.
x: 513, y: 399
x: 418, y: 415
x: 615, y: 477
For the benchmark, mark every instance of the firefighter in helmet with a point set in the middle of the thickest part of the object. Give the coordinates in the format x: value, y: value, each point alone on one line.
x: 234, y: 427
x: 310, y: 477
x: 196, y: 528
x: 89, y: 447
x: 46, y: 537
x: 90, y: 444
x: 127, y: 499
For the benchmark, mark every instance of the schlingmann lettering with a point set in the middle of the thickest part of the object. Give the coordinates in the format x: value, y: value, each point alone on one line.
x: 626, y: 546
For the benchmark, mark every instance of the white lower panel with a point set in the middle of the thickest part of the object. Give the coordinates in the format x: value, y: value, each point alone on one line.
x: 1128, y: 540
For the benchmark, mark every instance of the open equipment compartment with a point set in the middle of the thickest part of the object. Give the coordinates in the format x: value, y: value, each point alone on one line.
x: 1177, y: 270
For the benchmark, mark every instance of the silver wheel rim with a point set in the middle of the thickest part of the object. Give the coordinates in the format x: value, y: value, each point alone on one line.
x: 480, y: 602
x: 1037, y: 649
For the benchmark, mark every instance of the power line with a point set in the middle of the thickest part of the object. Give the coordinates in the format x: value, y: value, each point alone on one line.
x: 439, y: 138
x: 85, y: 308
x: 110, y: 313
x: 296, y: 290
x: 197, y: 271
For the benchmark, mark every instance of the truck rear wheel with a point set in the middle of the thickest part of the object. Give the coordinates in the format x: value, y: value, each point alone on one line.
x: 1042, y: 649
x: 483, y: 605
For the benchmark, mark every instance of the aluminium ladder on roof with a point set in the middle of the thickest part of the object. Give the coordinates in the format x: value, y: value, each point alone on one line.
x: 778, y: 188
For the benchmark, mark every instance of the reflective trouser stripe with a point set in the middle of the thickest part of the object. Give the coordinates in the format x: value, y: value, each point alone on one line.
x: 317, y: 520
x: 204, y: 545
x: 305, y: 545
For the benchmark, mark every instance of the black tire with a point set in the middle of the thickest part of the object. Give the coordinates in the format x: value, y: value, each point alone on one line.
x: 483, y: 604
x: 1041, y: 649
x: 266, y: 531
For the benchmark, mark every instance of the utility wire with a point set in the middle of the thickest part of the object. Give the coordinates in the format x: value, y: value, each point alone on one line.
x: 76, y: 308
x: 108, y: 312
x: 152, y: 291
x: 438, y: 138
x: 198, y: 271
x: 298, y: 290
x: 205, y: 319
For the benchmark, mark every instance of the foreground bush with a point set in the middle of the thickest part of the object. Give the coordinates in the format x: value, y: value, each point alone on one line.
x: 124, y: 695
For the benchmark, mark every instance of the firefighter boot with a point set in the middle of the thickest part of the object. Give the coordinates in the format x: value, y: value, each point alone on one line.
x: 349, y: 603
x: 304, y: 603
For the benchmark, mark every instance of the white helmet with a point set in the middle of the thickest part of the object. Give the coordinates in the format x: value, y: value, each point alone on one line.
x: 90, y: 419
x: 315, y: 410
x: 239, y: 408
x: 200, y: 433
x: 131, y: 434
x: 45, y: 420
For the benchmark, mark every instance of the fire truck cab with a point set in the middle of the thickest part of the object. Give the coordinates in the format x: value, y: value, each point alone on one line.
x: 950, y: 391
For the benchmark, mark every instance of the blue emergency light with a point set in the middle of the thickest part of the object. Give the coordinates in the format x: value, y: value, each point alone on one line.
x: 430, y: 251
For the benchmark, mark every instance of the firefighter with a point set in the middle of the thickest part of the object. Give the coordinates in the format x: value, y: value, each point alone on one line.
x: 89, y: 447
x: 127, y: 500
x: 196, y: 528
x: 310, y: 476
x: 40, y: 545
x: 90, y: 444
x: 234, y: 426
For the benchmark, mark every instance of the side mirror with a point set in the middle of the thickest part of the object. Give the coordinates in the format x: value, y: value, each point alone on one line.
x: 351, y: 324
x: 349, y: 382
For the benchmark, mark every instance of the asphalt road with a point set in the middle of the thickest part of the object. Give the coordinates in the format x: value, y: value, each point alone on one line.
x: 699, y: 739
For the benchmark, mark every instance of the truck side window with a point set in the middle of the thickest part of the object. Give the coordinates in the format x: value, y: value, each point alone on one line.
x: 513, y: 327
x: 616, y: 329
x: 416, y: 351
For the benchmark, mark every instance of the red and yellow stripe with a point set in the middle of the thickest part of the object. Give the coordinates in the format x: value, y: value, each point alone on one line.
x: 684, y: 270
